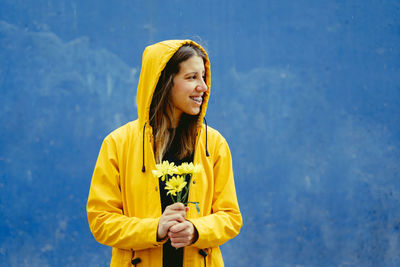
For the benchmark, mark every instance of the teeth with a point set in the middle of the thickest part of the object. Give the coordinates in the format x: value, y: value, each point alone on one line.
x: 197, y: 99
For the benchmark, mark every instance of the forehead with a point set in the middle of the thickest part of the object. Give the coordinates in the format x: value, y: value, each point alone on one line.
x: 192, y: 64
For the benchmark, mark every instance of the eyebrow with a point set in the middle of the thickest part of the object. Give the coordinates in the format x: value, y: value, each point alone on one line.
x: 194, y: 72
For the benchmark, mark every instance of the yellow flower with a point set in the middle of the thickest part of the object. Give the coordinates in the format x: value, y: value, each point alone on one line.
x: 188, y: 168
x: 163, y: 169
x: 175, y: 185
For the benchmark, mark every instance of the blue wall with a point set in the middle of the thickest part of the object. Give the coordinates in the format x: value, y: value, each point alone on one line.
x: 307, y: 93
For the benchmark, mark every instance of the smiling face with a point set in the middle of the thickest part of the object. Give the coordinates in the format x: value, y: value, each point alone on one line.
x: 188, y: 89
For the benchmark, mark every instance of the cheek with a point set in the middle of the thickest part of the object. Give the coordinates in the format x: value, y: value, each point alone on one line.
x: 178, y: 93
x: 175, y: 97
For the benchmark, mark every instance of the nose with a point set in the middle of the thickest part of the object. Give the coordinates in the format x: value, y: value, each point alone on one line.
x: 202, y: 86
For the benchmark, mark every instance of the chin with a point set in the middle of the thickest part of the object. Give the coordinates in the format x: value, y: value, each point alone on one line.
x: 193, y: 112
x: 196, y: 112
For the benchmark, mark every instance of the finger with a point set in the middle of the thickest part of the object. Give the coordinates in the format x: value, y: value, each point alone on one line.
x: 167, y: 221
x: 174, y: 211
x: 177, y: 235
x: 166, y: 226
x: 181, y: 242
x: 170, y: 224
x: 181, y: 236
x: 171, y: 221
x: 174, y: 217
x: 176, y: 206
x: 179, y: 227
x: 180, y: 239
x: 175, y: 214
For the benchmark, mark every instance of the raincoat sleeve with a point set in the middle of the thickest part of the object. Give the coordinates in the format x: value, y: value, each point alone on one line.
x: 105, y: 214
x: 225, y: 221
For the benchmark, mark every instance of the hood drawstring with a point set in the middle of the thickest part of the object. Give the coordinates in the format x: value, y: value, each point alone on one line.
x: 207, y: 154
x: 143, y: 166
x: 203, y: 253
x: 135, y: 261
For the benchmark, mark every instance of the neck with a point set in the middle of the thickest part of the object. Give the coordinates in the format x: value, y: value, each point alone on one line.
x: 176, y: 116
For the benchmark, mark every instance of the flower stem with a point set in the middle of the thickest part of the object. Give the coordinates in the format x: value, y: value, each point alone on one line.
x: 179, y: 196
x: 187, y: 191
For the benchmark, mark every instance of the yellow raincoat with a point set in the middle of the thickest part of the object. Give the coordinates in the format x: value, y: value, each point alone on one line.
x: 124, y: 204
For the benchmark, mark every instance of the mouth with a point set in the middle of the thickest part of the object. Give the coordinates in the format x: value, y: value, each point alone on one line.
x: 197, y: 99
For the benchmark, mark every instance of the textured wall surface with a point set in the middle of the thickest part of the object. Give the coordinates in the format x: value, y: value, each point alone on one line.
x: 307, y: 93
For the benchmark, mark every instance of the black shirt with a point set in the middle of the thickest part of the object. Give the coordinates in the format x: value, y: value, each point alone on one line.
x: 172, y: 257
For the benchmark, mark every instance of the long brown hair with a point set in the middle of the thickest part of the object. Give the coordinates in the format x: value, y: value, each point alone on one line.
x: 161, y: 108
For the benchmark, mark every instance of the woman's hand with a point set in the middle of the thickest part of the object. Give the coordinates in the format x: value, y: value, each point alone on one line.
x: 173, y: 214
x: 182, y: 234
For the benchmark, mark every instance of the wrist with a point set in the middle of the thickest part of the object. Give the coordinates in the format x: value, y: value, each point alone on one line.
x: 160, y: 239
x: 160, y: 234
x: 195, y: 235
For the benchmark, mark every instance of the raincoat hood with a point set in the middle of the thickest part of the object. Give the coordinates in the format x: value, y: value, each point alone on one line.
x: 155, y: 58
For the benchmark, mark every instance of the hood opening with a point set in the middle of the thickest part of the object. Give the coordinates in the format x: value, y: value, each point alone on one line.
x: 154, y: 60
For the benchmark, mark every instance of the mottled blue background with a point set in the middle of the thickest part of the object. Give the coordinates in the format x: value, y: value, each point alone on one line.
x: 307, y: 93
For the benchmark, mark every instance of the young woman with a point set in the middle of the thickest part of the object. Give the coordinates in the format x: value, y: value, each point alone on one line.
x: 128, y: 208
